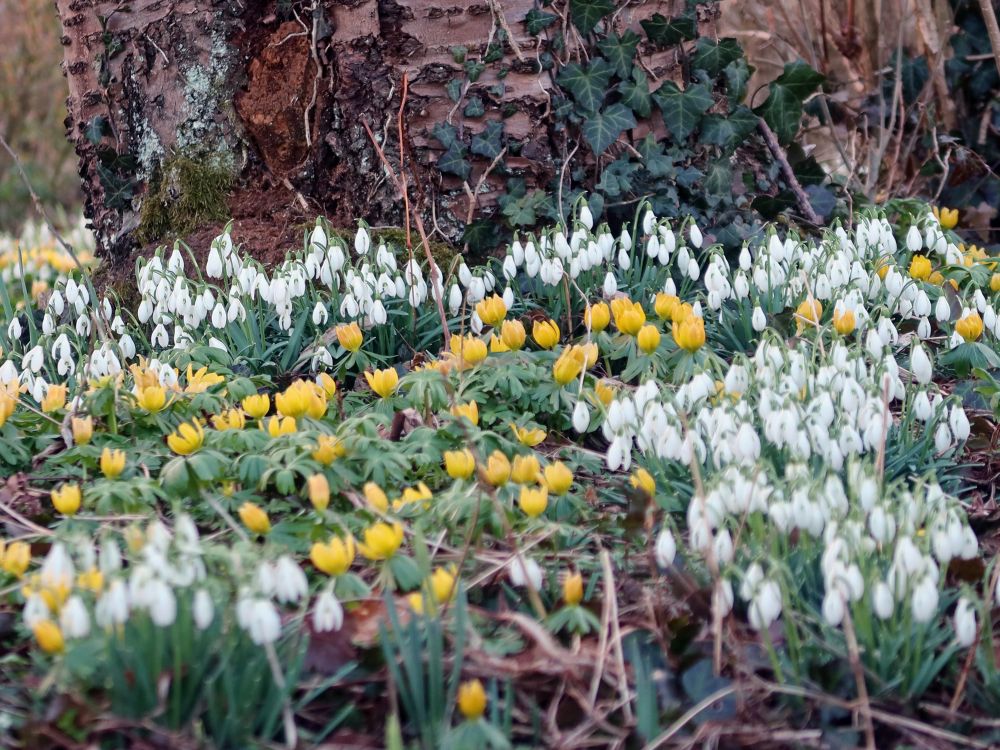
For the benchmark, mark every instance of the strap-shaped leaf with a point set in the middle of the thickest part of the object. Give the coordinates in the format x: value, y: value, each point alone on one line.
x: 682, y: 110
x: 602, y: 129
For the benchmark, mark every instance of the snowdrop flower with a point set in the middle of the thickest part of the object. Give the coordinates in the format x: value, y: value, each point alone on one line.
x: 913, y: 240
x: 328, y: 614
x: 524, y: 571
x: 262, y: 621
x: 290, y: 583
x: 581, y: 417
x: 834, y: 607
x: 765, y: 606
x: 610, y: 284
x: 924, y: 601
x: 882, y: 602
x: 965, y: 623
x: 666, y: 548
x: 942, y: 310
x: 319, y: 315
x: 362, y: 241
x: 213, y: 266
x: 586, y: 217
x: 695, y: 235
x: 920, y: 365
x: 959, y: 423
x: 758, y: 321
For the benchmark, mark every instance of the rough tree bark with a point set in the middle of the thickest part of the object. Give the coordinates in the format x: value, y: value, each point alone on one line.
x: 273, y: 94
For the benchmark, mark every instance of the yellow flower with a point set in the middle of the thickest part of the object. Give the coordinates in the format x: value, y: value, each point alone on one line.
x: 573, y: 589
x: 459, y: 464
x: 470, y: 411
x: 590, y: 353
x: 381, y: 541
x: 995, y: 282
x: 468, y: 348
x: 55, y: 398
x: 605, y: 393
x: 83, y: 429
x: 947, y: 217
x: 492, y: 310
x: 49, y: 636
x: 255, y: 518
x: 152, y: 398
x: 648, y: 339
x: 317, y: 401
x: 920, y: 267
x: 231, y: 419
x: 643, y: 480
x: 295, y: 400
x: 533, y: 500
x: 629, y: 316
x: 936, y: 278
x: 970, y: 327
x: 529, y: 436
x: 843, y: 321
x: 512, y: 334
x: 597, y: 316
x: 257, y: 405
x: 16, y: 558
x: 497, y: 346
x: 545, y: 333
x: 808, y: 313
x: 569, y: 365
x: 414, y: 495
x: 558, y: 478
x: 665, y: 304
x: 689, y: 334
x: 112, y: 462
x: 67, y: 499
x: 199, y: 382
x: 376, y: 497
x: 187, y: 438
x: 328, y: 448
x: 228, y: 489
x: 350, y: 336
x: 442, y: 584
x: 91, y: 580
x: 335, y: 557
x: 525, y: 469
x: 7, y: 405
x: 328, y: 384
x: 319, y: 491
x: 383, y: 382
x: 471, y: 699
x: 497, y: 469
x: 277, y: 426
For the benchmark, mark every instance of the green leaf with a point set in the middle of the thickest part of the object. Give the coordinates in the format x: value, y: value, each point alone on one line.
x: 620, y: 51
x: 712, y: 57
x: 489, y: 142
x: 536, y: 21
x: 586, y: 14
x: 474, y: 108
x: 635, y: 93
x: 587, y: 84
x: 616, y: 178
x: 729, y: 130
x: 682, y: 110
x: 603, y: 128
x: 654, y: 160
x: 799, y: 79
x: 669, y: 31
x: 453, y: 161
x: 446, y: 134
x: 454, y: 89
x: 718, y: 182
x: 737, y: 75
x: 782, y: 109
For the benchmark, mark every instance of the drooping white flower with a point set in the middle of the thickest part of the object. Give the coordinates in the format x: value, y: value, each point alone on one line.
x: 526, y: 573
x: 666, y: 548
x: 965, y: 623
x: 581, y: 417
x: 328, y: 613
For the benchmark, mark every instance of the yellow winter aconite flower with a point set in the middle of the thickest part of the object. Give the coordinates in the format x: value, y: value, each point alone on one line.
x: 558, y: 478
x: 295, y: 400
x: 970, y: 327
x: 83, y: 429
x: 995, y: 282
x: 442, y: 584
x: 187, y: 438
x: 492, y: 310
x: 335, y: 557
x: 317, y: 401
x: 67, y: 499
x: 470, y: 411
x: 256, y: 405
x: 920, y: 267
x: 91, y: 580
x: 255, y: 518
x: 350, y: 337
x: 529, y: 436
x: 16, y: 558
x: 376, y: 497
x: 648, y: 339
x: 573, y: 589
x: 947, y: 217
x: 665, y: 305
x: 689, y: 333
x: 471, y: 699
x: 469, y: 349
x: 49, y: 636
x: 383, y: 382
x: 201, y: 381
x: 597, y: 316
x: 629, y: 316
x: 569, y: 365
x: 7, y: 405
x: 327, y: 383
x: 533, y: 500
x: 605, y: 393
x: 512, y: 334
x: 459, y: 464
x: 55, y: 398
x: 152, y: 398
x: 319, y: 491
x: 112, y: 462
x: 497, y: 346
x: 381, y: 540
x: 328, y: 448
x: 420, y: 493
x: 590, y: 353
x: 231, y: 419
x: 497, y: 469
x: 808, y: 313
x: 545, y: 333
x: 278, y: 426
x: 643, y: 480
x: 525, y: 469
x: 843, y: 321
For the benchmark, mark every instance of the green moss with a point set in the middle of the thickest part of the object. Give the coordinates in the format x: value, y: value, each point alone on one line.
x: 186, y: 193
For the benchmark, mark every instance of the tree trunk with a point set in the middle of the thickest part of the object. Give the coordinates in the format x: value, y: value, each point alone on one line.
x: 186, y: 112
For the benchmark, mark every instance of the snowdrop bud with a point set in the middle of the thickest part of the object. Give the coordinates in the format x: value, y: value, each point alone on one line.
x: 454, y: 299
x: 695, y: 234
x: 508, y: 297
x: 692, y: 269
x: 610, y: 284
x: 624, y: 260
x: 362, y: 241
x: 73, y: 619
x: 959, y: 423
x: 509, y: 267
x: 882, y: 601
x: 913, y: 239
x: 942, y: 310
x: 586, y: 217
x: 464, y: 275
x: 965, y: 623
x: 202, y: 609
x: 920, y: 365
x: 925, y: 600
x: 745, y: 260
x: 647, y: 222
x: 924, y: 328
x: 652, y: 246
x: 162, y: 603
x: 666, y: 548
x: 581, y: 417
x: 219, y: 318
x: 833, y: 607
x: 759, y: 321
x: 213, y: 266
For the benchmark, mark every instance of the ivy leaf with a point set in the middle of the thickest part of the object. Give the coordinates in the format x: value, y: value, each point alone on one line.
x: 616, y: 178
x: 737, y: 75
x: 620, y: 51
x: 453, y: 161
x: 522, y: 212
x: 782, y: 109
x: 587, y: 84
x: 482, y: 235
x: 667, y: 32
x: 488, y: 143
x: 718, y: 182
x: 682, y: 110
x: 96, y: 129
x: 657, y: 163
x: 635, y: 93
x: 474, y: 108
x: 712, y: 57
x: 602, y: 129
x: 536, y: 21
x: 587, y: 13
x: 445, y: 134
x: 454, y: 89
x: 728, y: 130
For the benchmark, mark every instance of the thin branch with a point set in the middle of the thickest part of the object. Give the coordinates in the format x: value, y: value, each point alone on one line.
x: 779, y: 154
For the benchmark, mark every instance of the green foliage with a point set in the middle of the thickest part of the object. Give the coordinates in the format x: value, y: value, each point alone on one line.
x: 188, y: 191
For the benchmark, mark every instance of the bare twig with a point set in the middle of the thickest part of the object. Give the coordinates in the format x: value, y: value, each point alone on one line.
x: 854, y: 656
x: 779, y: 154
x: 992, y: 28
